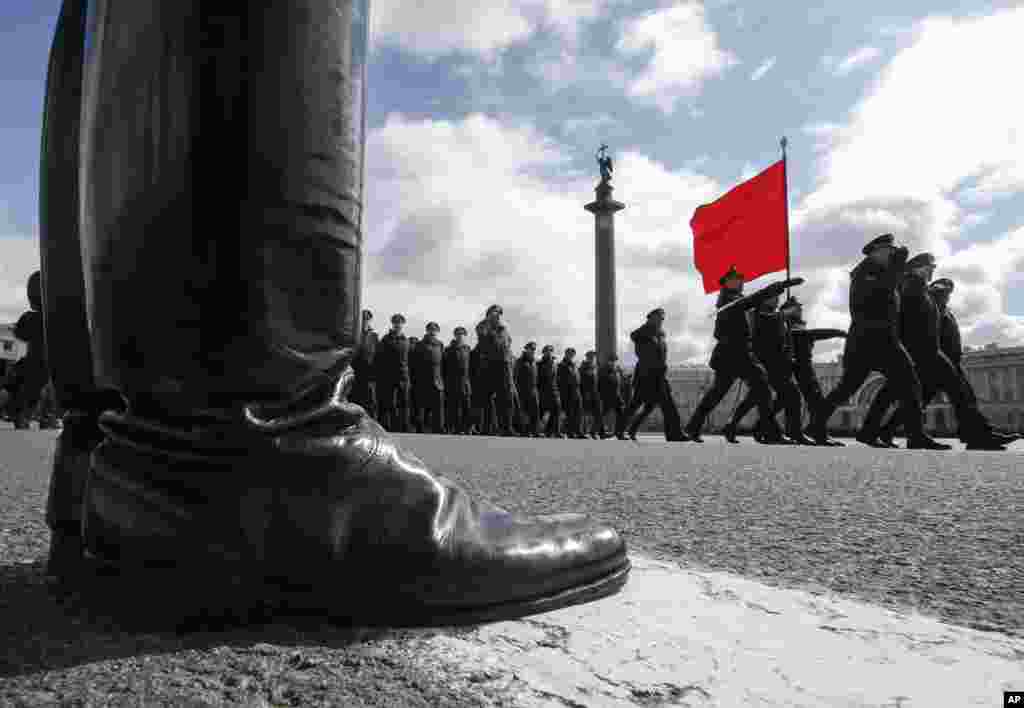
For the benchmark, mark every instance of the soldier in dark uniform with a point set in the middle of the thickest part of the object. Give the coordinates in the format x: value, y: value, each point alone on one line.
x: 650, y: 385
x: 773, y: 347
x: 920, y: 332
x: 526, y: 385
x: 481, y: 419
x: 547, y: 390
x: 591, y: 395
x: 804, y: 340
x: 569, y: 392
x: 415, y: 422
x: 951, y: 344
x: 457, y: 384
x: 429, y: 381
x: 874, y: 342
x: 496, y: 367
x: 29, y: 375
x: 733, y: 357
x: 392, y: 368
x: 364, y: 388
x: 609, y: 386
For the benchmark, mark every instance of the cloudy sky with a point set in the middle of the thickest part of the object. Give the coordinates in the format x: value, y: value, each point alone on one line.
x: 484, y: 118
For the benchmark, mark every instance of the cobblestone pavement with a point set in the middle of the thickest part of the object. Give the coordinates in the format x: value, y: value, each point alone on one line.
x: 942, y: 533
x: 938, y: 532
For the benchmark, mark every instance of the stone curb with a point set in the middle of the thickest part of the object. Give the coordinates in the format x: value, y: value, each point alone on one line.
x: 686, y: 638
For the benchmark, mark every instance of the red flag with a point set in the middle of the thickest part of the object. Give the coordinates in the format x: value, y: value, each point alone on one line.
x: 748, y: 228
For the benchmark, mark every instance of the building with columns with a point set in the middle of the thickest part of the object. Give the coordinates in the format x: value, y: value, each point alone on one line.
x: 996, y: 373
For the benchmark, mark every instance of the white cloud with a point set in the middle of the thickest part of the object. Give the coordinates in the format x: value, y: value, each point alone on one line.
x: 926, y: 154
x: 683, y: 50
x: 483, y: 28
x: 854, y: 60
x: 763, y: 69
x: 20, y: 257
x: 448, y: 236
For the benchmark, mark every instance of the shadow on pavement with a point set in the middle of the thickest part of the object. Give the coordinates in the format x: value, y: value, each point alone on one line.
x: 45, y: 629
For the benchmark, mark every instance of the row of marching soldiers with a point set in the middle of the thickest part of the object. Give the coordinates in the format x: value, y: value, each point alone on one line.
x: 901, y: 327
x: 414, y: 384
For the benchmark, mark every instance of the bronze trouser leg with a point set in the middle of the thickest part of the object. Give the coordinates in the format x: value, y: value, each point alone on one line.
x: 221, y: 188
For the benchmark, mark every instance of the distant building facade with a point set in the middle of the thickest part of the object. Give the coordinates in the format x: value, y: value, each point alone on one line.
x: 996, y: 373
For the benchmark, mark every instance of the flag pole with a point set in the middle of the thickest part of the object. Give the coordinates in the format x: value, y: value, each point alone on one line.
x: 785, y: 196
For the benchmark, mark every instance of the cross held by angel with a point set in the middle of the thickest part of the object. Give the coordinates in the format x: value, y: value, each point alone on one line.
x: 604, y: 163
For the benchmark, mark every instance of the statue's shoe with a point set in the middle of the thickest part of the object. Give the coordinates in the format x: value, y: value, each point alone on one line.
x: 317, y: 509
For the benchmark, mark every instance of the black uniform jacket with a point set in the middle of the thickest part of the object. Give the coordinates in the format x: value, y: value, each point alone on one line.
x: 568, y: 381
x: 588, y: 381
x: 526, y: 377
x: 494, y: 343
x: 609, y: 383
x: 919, y: 320
x: 428, y: 360
x: 456, y: 368
x: 547, y: 383
x: 392, y: 360
x: 771, y: 341
x: 874, y: 299
x: 651, y: 350
x: 949, y: 337
x: 732, y: 331
x: 362, y: 364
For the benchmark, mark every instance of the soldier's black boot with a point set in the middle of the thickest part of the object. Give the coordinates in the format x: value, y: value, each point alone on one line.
x: 924, y: 442
x: 729, y: 432
x: 221, y: 171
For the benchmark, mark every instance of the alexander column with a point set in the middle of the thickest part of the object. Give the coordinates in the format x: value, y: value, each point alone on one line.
x: 603, y: 208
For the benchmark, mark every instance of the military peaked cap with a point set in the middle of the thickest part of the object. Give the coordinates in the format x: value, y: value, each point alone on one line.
x: 493, y: 308
x: 397, y: 317
x: 656, y: 311
x: 433, y: 326
x: 530, y: 345
x: 731, y: 273
x: 460, y: 330
x: 883, y: 240
x: 942, y: 285
x: 548, y: 348
x: 570, y: 350
x: 921, y: 259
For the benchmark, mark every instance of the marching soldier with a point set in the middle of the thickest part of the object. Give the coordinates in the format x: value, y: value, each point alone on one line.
x: 526, y: 385
x: 804, y: 340
x: 569, y: 392
x: 733, y: 357
x: 920, y: 332
x: 480, y: 418
x: 364, y: 388
x: 650, y: 385
x: 547, y: 390
x: 496, y: 367
x: 457, y: 384
x: 415, y: 422
x: 873, y: 343
x: 429, y: 380
x: 609, y: 384
x: 591, y: 395
x: 951, y: 344
x: 773, y: 347
x: 392, y: 368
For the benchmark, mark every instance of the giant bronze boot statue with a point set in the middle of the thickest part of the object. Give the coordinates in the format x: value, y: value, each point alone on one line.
x: 210, y: 268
